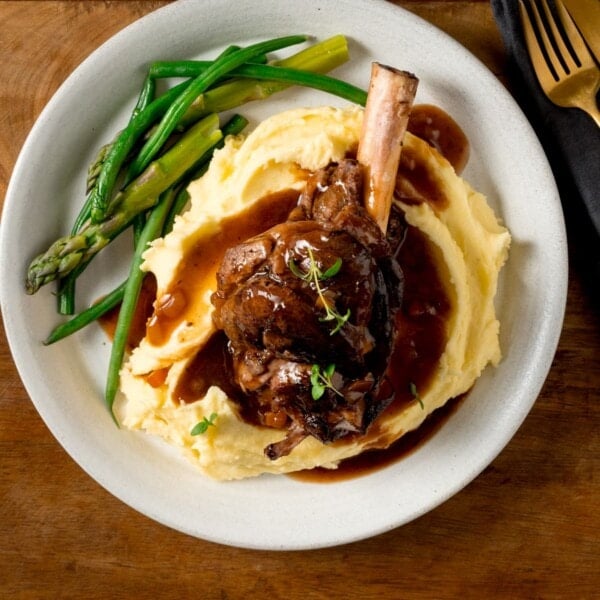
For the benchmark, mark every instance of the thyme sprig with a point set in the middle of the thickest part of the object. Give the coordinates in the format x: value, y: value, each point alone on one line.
x: 202, y: 426
x: 316, y: 276
x: 321, y: 380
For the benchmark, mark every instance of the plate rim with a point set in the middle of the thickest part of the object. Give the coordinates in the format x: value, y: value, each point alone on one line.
x: 12, y: 327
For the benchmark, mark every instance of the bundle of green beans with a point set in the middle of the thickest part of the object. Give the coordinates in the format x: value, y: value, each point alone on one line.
x: 168, y: 141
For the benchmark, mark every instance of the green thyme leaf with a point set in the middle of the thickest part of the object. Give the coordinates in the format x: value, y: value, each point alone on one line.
x: 321, y: 380
x: 315, y: 275
x: 315, y: 371
x: 339, y: 319
x: 297, y: 271
x: 334, y: 269
x: 317, y: 391
x: 201, y: 427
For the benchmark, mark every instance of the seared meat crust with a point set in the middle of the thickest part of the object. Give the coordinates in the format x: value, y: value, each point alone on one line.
x: 274, y: 317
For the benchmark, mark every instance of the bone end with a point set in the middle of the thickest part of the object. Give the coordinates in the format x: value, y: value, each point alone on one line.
x: 389, y: 102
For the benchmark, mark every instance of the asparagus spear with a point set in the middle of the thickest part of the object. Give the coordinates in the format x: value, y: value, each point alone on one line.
x: 221, y: 67
x: 319, y: 57
x: 69, y: 252
x: 66, y: 290
x: 94, y: 171
x: 234, y: 126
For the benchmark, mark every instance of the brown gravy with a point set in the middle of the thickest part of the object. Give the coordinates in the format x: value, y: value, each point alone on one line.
x: 441, y: 131
x: 197, y: 273
x: 414, y: 183
x: 421, y: 340
x: 421, y: 323
x: 143, y: 310
x: 211, y: 366
x: 370, y: 461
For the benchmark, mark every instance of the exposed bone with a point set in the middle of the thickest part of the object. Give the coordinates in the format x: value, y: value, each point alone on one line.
x: 389, y: 102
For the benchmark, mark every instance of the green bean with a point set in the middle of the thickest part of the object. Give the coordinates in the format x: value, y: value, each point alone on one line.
x: 316, y: 81
x: 318, y: 58
x: 87, y: 316
x: 163, y: 69
x: 131, y: 294
x: 138, y: 224
x: 217, y: 70
x: 66, y: 289
x: 234, y: 126
x: 146, y: 97
x: 123, y: 145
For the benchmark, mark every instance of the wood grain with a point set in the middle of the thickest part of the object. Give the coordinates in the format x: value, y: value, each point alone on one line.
x: 525, y: 528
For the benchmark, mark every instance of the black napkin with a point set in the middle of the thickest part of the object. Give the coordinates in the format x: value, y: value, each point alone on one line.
x: 570, y: 138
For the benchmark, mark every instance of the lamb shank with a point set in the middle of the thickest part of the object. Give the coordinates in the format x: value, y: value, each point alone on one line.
x: 308, y: 306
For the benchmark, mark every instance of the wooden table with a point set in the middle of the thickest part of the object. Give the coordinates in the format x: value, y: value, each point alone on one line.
x: 527, y: 527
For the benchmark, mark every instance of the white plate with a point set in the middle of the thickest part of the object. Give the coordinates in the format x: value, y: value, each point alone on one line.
x: 66, y: 381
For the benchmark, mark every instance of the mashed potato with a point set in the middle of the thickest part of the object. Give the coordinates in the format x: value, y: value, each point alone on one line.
x: 471, y: 245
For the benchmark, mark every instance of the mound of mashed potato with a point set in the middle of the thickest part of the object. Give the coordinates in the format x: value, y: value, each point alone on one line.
x: 470, y: 243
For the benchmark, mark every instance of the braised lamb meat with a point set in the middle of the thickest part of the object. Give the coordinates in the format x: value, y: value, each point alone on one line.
x: 309, y: 306
x: 318, y: 290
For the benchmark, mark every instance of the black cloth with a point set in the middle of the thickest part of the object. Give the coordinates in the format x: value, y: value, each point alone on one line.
x: 570, y: 137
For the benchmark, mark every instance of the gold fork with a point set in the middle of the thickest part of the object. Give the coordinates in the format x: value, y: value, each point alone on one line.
x: 568, y: 79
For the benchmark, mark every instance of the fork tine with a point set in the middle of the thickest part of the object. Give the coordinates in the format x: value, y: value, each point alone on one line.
x: 551, y: 56
x: 565, y: 81
x: 546, y: 77
x: 564, y: 58
x: 576, y: 40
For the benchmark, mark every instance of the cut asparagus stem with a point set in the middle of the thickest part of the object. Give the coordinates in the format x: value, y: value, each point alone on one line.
x: 319, y: 58
x: 389, y: 102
